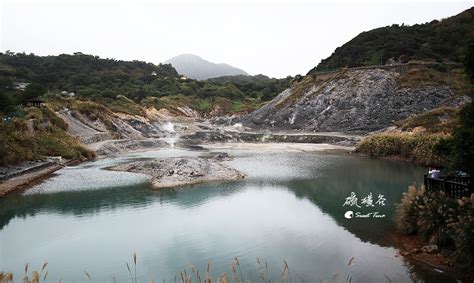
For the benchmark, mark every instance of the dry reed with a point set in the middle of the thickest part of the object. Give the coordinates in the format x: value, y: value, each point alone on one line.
x: 194, y: 276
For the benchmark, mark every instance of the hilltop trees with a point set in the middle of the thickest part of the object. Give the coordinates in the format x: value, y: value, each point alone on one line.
x: 438, y: 40
x: 7, y: 101
x: 33, y: 91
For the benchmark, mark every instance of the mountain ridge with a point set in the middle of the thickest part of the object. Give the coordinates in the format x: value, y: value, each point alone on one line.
x: 196, y: 67
x: 442, y: 41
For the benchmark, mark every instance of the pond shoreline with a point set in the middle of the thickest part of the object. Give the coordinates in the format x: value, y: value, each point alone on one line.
x: 285, y: 182
x: 410, y: 247
x: 29, y: 179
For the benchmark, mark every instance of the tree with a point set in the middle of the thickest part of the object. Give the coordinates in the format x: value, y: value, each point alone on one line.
x: 7, y: 104
x: 469, y: 61
x: 5, y: 83
x: 461, y: 146
x: 33, y: 91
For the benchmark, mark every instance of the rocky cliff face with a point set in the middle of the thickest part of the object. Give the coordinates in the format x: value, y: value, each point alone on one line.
x: 361, y: 100
x: 116, y: 126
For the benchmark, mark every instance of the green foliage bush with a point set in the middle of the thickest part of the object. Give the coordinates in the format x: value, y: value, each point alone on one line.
x: 438, y: 219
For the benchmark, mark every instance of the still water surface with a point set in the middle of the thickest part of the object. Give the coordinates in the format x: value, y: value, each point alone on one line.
x: 289, y: 208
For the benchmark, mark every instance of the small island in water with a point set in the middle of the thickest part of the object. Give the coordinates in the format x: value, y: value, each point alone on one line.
x: 179, y: 171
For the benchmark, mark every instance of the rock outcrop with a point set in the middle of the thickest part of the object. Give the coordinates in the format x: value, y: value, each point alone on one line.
x: 118, y: 132
x: 349, y: 101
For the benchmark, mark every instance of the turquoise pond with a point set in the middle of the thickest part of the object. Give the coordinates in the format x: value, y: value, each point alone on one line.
x: 291, y: 207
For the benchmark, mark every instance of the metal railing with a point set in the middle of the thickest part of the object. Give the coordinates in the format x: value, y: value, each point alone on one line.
x: 453, y: 186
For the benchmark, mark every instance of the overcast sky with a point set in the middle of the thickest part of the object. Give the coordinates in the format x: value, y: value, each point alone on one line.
x: 275, y: 38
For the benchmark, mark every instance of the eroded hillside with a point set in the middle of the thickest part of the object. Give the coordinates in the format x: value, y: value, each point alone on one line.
x: 361, y: 99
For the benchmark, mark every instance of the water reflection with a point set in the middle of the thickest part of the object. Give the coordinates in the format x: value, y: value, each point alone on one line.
x: 289, y: 208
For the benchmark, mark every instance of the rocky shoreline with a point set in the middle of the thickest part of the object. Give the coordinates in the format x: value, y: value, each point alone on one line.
x: 180, y: 171
x: 412, y: 249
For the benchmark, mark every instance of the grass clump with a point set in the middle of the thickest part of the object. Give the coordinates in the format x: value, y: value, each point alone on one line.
x: 440, y: 220
x: 35, y: 277
x: 417, y: 148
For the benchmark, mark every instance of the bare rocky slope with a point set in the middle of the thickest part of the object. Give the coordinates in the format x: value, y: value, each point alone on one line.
x: 117, y: 132
x: 333, y: 107
x: 359, y: 99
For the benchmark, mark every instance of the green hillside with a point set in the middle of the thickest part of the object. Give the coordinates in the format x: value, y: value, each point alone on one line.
x: 104, y: 80
x: 443, y: 41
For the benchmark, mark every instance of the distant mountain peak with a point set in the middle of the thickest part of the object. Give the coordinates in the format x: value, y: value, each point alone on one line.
x: 195, y: 67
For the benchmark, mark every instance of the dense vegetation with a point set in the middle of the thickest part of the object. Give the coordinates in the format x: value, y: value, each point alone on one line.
x: 102, y: 80
x: 259, y: 86
x: 443, y: 41
x: 440, y: 220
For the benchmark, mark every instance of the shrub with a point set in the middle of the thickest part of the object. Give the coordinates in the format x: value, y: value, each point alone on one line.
x: 441, y: 220
x: 406, y: 216
x: 51, y: 139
